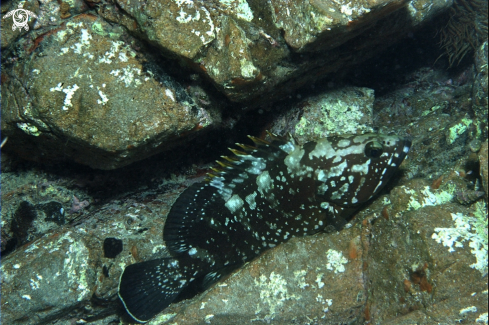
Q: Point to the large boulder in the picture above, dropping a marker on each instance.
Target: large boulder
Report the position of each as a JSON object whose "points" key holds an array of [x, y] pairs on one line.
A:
{"points": [[95, 81]]}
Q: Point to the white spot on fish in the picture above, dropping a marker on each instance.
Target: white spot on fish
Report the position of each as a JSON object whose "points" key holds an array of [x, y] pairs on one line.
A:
{"points": [[234, 203]]}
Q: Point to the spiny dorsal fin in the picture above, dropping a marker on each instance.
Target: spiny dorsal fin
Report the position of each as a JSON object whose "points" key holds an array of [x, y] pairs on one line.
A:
{"points": [[263, 149], [246, 147], [258, 141], [230, 159], [238, 152], [223, 164], [278, 140]]}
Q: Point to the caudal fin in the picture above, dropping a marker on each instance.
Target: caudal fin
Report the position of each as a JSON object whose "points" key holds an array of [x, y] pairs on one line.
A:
{"points": [[149, 287]]}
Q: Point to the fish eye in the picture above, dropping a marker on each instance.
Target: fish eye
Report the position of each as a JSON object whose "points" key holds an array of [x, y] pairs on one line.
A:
{"points": [[373, 149]]}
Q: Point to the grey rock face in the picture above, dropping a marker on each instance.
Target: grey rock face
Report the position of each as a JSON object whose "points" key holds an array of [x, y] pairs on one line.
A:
{"points": [[79, 84], [85, 94]]}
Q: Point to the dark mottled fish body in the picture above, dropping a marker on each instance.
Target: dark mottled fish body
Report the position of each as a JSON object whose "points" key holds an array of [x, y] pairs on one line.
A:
{"points": [[257, 199]]}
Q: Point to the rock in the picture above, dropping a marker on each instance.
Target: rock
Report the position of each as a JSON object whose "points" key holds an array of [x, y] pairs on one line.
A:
{"points": [[183, 28], [480, 86], [309, 279], [52, 276], [416, 255], [58, 275], [106, 108], [412, 255], [319, 31], [347, 110], [423, 111], [426, 258], [483, 162], [253, 53], [232, 67]]}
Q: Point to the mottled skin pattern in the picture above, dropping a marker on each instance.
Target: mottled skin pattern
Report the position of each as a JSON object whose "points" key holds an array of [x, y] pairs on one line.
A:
{"points": [[257, 199]]}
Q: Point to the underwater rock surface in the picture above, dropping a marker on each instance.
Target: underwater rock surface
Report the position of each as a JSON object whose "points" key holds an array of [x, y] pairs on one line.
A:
{"points": [[480, 90], [484, 162], [101, 83], [104, 108], [408, 256], [415, 254], [337, 111]]}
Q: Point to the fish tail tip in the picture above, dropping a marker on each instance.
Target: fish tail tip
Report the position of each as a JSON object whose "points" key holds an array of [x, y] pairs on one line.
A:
{"points": [[142, 290]]}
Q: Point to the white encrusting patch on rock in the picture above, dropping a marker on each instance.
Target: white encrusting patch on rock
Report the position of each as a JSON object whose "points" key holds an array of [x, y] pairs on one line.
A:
{"points": [[69, 91], [169, 93]]}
